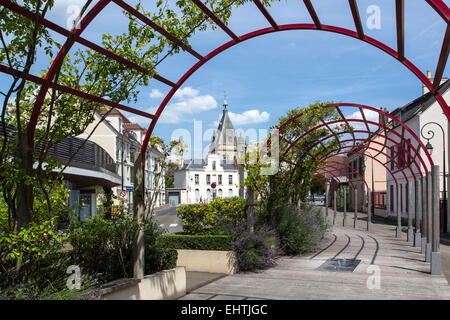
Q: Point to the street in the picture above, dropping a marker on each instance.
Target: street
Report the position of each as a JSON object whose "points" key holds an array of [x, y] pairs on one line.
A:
{"points": [[167, 219]]}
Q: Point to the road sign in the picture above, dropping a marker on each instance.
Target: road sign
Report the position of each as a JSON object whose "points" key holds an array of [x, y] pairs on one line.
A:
{"points": [[213, 185], [123, 194], [129, 188]]}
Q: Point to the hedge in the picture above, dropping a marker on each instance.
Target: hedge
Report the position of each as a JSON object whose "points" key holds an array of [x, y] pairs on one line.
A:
{"points": [[196, 242]]}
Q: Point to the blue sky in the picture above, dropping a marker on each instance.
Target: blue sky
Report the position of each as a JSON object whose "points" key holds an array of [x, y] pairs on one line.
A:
{"points": [[266, 76]]}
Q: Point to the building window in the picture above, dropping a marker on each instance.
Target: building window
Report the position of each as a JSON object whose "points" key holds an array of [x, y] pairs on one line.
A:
{"points": [[219, 193], [230, 179], [208, 179], [208, 194], [409, 152], [219, 178], [197, 179], [197, 194], [230, 192], [214, 165]]}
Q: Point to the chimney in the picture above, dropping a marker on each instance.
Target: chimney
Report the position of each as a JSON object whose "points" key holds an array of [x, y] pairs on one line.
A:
{"points": [[429, 74]]}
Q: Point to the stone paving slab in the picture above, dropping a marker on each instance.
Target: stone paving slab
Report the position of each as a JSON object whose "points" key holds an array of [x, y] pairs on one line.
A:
{"points": [[403, 272]]}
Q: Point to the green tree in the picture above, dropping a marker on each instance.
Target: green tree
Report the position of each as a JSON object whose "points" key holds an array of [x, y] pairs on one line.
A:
{"points": [[26, 174]]}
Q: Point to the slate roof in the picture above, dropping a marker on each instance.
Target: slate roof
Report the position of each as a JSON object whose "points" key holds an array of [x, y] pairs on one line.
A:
{"points": [[422, 103], [200, 164]]}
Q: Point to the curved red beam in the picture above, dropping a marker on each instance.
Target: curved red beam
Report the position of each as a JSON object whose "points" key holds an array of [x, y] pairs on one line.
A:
{"points": [[370, 148], [375, 149], [90, 16], [437, 5], [341, 172], [321, 183], [299, 26], [358, 120], [363, 131], [331, 185], [350, 167], [367, 155], [334, 105], [336, 177]]}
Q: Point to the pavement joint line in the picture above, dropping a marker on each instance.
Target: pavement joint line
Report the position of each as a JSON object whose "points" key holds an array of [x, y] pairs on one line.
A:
{"points": [[323, 250]]}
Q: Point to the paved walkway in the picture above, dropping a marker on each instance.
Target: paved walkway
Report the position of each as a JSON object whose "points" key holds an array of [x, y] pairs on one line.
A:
{"points": [[403, 272]]}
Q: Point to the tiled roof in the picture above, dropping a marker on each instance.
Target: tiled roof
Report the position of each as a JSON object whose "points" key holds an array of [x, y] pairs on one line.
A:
{"points": [[132, 126]]}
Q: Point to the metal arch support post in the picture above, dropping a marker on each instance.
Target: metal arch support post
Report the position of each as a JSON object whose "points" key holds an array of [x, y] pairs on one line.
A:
{"points": [[369, 210], [345, 207], [435, 260], [410, 237], [423, 221], [355, 219], [398, 230], [327, 191], [417, 202], [429, 217], [335, 207]]}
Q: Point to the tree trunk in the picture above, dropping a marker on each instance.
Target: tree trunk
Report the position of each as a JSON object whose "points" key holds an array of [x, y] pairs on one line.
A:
{"points": [[250, 206], [139, 210], [24, 190]]}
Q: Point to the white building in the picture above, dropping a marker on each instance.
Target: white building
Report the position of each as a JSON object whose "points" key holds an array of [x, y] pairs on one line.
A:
{"points": [[202, 180], [415, 115], [122, 139]]}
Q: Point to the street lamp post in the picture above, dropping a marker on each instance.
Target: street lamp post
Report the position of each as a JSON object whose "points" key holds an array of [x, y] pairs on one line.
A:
{"points": [[430, 148]]}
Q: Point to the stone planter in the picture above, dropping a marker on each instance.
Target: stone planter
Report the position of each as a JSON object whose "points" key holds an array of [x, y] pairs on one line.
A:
{"points": [[167, 284], [207, 261]]}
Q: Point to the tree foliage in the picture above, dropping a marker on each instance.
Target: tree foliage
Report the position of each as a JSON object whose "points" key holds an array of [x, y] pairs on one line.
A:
{"points": [[27, 172]]}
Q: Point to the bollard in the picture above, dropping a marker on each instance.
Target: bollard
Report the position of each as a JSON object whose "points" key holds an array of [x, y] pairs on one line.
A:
{"points": [[417, 201], [436, 267]]}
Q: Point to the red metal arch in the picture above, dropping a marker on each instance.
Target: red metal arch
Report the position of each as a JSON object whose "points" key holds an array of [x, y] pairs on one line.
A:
{"points": [[341, 172], [366, 155], [438, 5], [350, 167], [321, 183], [341, 184], [336, 105], [364, 131], [374, 149]]}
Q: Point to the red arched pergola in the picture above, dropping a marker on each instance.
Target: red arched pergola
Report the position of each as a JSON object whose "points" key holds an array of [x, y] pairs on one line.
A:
{"points": [[76, 37]]}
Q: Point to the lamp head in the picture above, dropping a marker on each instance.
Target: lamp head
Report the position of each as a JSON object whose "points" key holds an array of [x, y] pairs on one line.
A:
{"points": [[429, 148]]}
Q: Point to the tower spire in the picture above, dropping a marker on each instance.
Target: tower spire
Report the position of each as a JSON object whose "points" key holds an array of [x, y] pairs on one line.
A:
{"points": [[225, 103]]}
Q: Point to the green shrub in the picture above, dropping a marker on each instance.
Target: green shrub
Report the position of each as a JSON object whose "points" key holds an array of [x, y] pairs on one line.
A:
{"points": [[158, 258], [196, 242], [299, 231], [252, 252], [213, 217], [33, 265], [104, 246]]}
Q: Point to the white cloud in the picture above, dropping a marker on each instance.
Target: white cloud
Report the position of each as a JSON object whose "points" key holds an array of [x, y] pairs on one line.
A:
{"points": [[188, 102], [249, 117], [369, 115], [186, 92], [155, 94]]}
